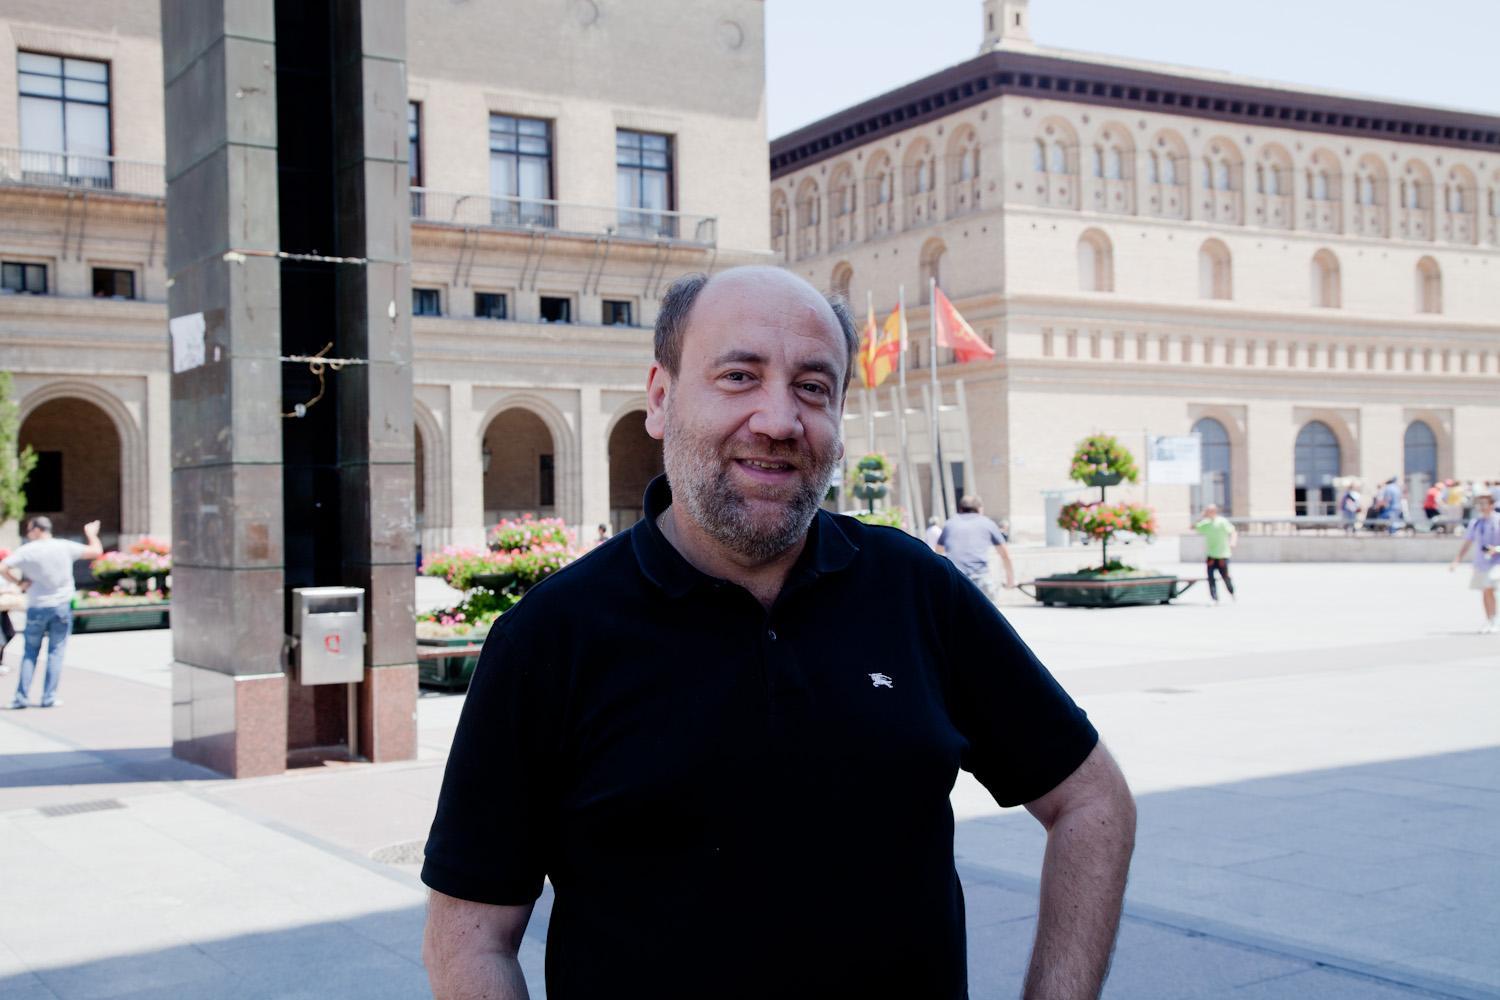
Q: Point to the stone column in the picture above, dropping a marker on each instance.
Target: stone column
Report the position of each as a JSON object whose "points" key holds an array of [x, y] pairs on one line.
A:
{"points": [[159, 454], [467, 521], [593, 460], [228, 686], [376, 430]]}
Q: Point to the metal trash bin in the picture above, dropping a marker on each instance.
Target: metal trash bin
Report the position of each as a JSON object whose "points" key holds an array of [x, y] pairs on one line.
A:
{"points": [[328, 624], [1053, 502]]}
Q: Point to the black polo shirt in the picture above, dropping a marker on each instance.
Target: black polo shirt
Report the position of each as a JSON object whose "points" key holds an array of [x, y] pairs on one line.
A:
{"points": [[733, 802]]}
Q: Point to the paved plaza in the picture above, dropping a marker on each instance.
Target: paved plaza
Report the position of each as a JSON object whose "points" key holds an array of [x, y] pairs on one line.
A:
{"points": [[1317, 768]]}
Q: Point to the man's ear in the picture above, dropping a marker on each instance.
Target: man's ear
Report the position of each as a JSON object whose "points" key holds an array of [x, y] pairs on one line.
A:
{"points": [[658, 382]]}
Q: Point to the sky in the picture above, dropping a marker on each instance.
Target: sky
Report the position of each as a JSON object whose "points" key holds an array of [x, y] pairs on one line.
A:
{"points": [[825, 55]]}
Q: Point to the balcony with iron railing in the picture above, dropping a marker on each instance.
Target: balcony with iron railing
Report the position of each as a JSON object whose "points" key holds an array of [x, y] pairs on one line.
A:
{"points": [[34, 168], [564, 218]]}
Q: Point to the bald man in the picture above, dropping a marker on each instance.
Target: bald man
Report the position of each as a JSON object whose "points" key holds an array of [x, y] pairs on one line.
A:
{"points": [[729, 735]]}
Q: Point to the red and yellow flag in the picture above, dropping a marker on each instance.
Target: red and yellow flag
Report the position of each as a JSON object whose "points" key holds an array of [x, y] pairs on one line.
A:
{"points": [[954, 332], [867, 344], [886, 352]]}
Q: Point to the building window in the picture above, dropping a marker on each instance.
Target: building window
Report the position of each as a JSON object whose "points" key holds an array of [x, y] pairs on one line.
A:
{"points": [[521, 171], [643, 182], [1096, 268], [1326, 292], [546, 482], [619, 312], [556, 309], [1215, 280], [414, 143], [426, 302], [30, 278], [44, 486], [491, 305], [1419, 447], [65, 118], [1429, 286], [113, 283]]}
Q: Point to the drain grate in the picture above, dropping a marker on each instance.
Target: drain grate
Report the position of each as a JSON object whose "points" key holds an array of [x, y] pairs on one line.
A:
{"points": [[406, 853], [74, 808]]}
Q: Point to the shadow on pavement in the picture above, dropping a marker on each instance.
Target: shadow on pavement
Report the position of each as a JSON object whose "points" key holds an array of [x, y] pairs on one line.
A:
{"points": [[98, 767]]}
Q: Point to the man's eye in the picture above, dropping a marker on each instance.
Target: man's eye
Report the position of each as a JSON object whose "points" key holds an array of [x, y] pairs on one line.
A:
{"points": [[737, 376], [814, 387]]}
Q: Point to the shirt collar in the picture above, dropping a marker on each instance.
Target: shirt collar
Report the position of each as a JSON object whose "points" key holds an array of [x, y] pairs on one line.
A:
{"points": [[828, 549]]}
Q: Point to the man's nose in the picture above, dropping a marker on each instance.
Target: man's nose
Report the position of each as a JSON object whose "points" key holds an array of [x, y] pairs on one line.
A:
{"points": [[777, 416]]}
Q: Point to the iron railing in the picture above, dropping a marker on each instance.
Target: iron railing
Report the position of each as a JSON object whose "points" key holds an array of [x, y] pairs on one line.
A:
{"points": [[534, 214], [50, 169]]}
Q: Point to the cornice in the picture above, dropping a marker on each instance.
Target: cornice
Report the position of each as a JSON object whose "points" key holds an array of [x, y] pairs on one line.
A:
{"points": [[1008, 73]]}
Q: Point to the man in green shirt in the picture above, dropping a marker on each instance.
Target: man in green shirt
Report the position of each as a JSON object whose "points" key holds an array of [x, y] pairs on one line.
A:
{"points": [[1219, 537]]}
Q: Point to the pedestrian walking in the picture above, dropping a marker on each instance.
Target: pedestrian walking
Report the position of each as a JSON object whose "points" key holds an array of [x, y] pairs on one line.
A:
{"points": [[933, 533], [1483, 535], [1219, 540], [730, 742], [1432, 501], [44, 567], [1349, 503], [967, 538]]}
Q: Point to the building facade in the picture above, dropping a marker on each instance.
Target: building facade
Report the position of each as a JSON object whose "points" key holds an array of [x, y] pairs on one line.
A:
{"points": [[1309, 281], [558, 185]]}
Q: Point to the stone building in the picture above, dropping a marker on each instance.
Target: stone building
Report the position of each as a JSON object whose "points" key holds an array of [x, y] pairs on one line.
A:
{"points": [[559, 183], [1308, 280]]}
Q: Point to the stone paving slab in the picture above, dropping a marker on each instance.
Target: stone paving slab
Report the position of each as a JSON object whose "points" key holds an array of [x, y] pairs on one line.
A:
{"points": [[1318, 780]]}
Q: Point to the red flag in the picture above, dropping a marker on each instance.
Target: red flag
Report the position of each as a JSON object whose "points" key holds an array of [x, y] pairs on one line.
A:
{"points": [[954, 332]]}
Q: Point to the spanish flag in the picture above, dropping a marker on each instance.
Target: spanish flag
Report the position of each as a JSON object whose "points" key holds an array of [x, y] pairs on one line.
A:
{"points": [[867, 344], [954, 332], [886, 350]]}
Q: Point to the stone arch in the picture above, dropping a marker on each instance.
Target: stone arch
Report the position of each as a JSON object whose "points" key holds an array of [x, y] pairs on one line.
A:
{"points": [[1272, 197], [1419, 451], [1057, 156], [1429, 281], [1167, 175], [1217, 457], [1371, 196], [1440, 423], [808, 209], [1320, 454], [842, 277], [781, 223], [434, 480], [1215, 270], [1096, 262], [1113, 156], [843, 202], [568, 501], [1460, 205], [1223, 181], [962, 157], [134, 511], [880, 194], [635, 458], [919, 182], [1323, 192], [1326, 281], [931, 263], [1414, 201], [1232, 420]]}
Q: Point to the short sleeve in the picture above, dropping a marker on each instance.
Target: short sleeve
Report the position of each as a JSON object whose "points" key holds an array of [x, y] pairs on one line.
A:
{"points": [[11, 559], [997, 537], [1025, 734], [77, 550], [1472, 531], [495, 811], [942, 538]]}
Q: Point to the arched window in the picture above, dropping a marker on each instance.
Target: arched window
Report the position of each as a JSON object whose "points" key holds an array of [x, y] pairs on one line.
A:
{"points": [[1097, 161], [1039, 157], [780, 222], [1060, 159], [1214, 275], [1096, 265], [1215, 487], [843, 276], [1221, 176], [1114, 168], [1326, 291], [1421, 451], [1260, 179], [932, 266], [1153, 168], [808, 215], [1318, 462], [1169, 171], [1429, 286]]}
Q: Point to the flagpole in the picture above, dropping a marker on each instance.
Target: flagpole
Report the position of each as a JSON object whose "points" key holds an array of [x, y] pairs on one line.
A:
{"points": [[870, 392], [942, 487], [909, 497]]}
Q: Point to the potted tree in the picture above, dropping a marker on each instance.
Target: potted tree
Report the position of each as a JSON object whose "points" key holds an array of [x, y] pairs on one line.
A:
{"points": [[1101, 461]]}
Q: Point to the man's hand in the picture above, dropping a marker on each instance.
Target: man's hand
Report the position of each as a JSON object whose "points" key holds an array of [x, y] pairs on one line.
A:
{"points": [[1090, 821], [470, 949], [91, 530]]}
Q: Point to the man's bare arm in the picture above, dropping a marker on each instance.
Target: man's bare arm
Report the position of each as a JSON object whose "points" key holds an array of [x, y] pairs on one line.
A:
{"points": [[1090, 821], [1010, 569], [14, 576], [93, 550], [470, 949]]}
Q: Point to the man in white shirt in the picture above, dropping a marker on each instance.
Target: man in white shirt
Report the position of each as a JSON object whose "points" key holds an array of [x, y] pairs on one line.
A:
{"points": [[44, 566]]}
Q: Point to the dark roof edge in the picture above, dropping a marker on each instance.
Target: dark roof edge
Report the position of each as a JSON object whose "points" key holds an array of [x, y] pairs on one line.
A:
{"points": [[997, 73]]}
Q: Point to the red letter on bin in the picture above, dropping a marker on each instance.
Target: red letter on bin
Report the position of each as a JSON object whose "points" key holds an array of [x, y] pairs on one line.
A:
{"points": [[331, 643]]}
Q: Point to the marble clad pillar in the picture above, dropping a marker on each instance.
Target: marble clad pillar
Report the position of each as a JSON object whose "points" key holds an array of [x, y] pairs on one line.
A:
{"points": [[228, 685]]}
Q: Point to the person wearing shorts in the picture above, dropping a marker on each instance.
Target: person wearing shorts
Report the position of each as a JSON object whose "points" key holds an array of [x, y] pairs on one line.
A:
{"points": [[1484, 535]]}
